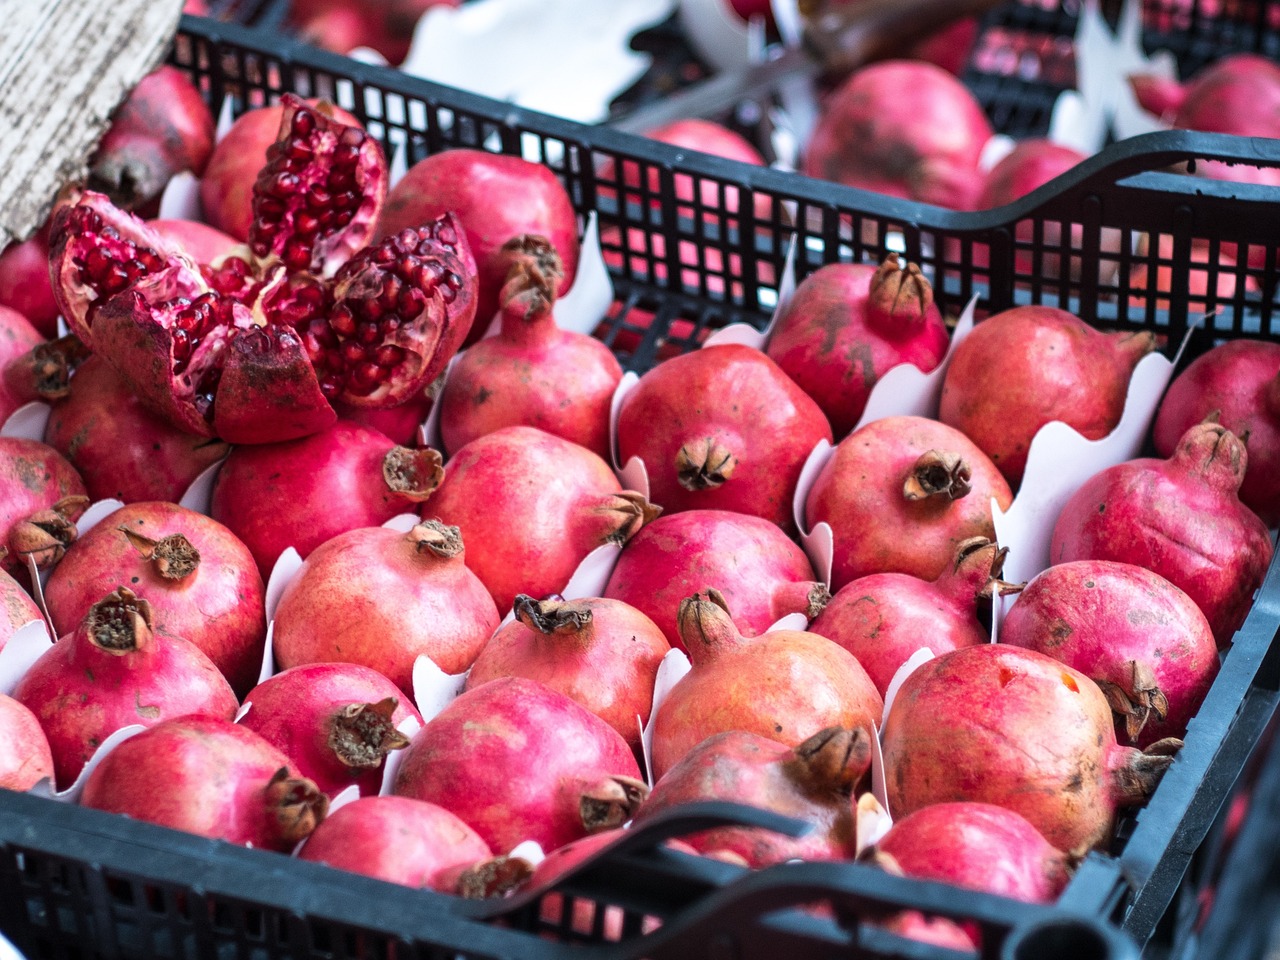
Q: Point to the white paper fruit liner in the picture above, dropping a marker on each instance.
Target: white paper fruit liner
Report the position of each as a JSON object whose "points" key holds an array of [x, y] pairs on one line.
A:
{"points": [[28, 422]]}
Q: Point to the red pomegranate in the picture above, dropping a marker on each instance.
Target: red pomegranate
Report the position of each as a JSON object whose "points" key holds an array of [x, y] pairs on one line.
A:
{"points": [[200, 581], [381, 598], [901, 494], [1180, 518], [203, 243], [400, 423], [41, 497], [25, 758], [17, 339], [386, 26], [704, 136], [17, 609], [24, 282], [1205, 261], [209, 777]]}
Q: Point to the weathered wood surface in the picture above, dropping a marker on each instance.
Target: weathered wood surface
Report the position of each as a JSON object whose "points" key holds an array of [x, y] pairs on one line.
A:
{"points": [[64, 66]]}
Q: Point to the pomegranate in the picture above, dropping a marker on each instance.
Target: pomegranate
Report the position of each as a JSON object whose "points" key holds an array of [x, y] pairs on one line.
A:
{"points": [[813, 781], [938, 931], [199, 579], [904, 128], [734, 685], [533, 373], [883, 618], [531, 506], [304, 492], [497, 198], [399, 840], [121, 449], [41, 497], [163, 128], [25, 758], [1238, 381], [386, 26], [113, 671], [209, 777], [17, 609], [901, 494], [336, 722], [704, 136], [1205, 261], [25, 285], [1143, 641], [203, 243], [380, 598], [400, 423], [848, 324], [1180, 518], [705, 453], [998, 724], [518, 761], [1029, 365], [602, 653], [17, 339]]}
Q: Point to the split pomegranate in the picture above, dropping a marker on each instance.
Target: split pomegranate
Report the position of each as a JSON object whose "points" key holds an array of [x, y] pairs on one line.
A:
{"points": [[381, 598], [209, 777], [41, 497], [17, 609], [784, 685], [17, 339], [1002, 725], [848, 324], [113, 670], [901, 495], [199, 579], [518, 761], [1180, 518], [24, 282], [25, 758], [762, 575]]}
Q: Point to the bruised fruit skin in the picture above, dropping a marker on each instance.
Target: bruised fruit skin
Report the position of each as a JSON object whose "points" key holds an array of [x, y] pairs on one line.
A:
{"points": [[1136, 635], [25, 758], [41, 497], [209, 777], [113, 671], [382, 598], [17, 609], [901, 494], [517, 761], [721, 428], [1180, 518]]}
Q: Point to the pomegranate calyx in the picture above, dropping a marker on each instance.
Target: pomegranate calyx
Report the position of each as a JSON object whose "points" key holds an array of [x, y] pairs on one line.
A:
{"points": [[704, 464], [552, 616], [1134, 346], [1214, 453], [297, 805], [1137, 774], [120, 623], [492, 878], [705, 626], [611, 803], [533, 277], [362, 734], [46, 534], [818, 597], [1137, 700], [436, 539], [899, 298], [633, 511], [413, 474], [975, 573], [937, 473], [831, 761], [44, 372], [174, 556]]}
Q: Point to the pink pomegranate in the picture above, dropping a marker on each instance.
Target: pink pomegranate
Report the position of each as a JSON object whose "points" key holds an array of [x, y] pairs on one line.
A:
{"points": [[762, 575], [938, 931], [304, 492], [707, 454], [532, 373], [25, 758], [1002, 725], [17, 609], [1029, 365], [381, 598], [1180, 518], [17, 339], [904, 128], [24, 282], [121, 449], [978, 846], [813, 781], [163, 128], [602, 653], [883, 618], [209, 777], [41, 497], [336, 722], [1238, 383], [1205, 262], [704, 136], [497, 198], [901, 495], [113, 671], [386, 26], [399, 840], [518, 761], [203, 243], [531, 506], [1143, 641], [200, 581], [735, 684], [848, 324]]}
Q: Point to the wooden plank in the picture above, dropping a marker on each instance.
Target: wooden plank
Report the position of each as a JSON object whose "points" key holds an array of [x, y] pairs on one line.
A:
{"points": [[64, 66]]}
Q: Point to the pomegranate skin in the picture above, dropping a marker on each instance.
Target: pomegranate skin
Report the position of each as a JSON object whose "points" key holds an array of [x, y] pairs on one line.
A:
{"points": [[334, 721], [514, 760], [399, 840], [209, 777], [25, 758], [381, 598], [901, 494], [998, 724], [1180, 518], [203, 243], [704, 453], [215, 600], [37, 485], [762, 574], [1240, 381], [25, 285], [400, 423], [1136, 635], [17, 609], [113, 671], [1029, 365], [17, 338]]}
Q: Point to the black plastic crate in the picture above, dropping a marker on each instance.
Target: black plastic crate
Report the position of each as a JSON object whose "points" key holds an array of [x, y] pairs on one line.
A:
{"points": [[1198, 32]]}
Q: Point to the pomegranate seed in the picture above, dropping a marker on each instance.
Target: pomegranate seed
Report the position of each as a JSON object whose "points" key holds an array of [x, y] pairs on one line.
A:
{"points": [[286, 183], [111, 233], [331, 386], [96, 262], [305, 223], [342, 322], [346, 155], [303, 123], [352, 352], [366, 376], [447, 235], [270, 208], [346, 201], [411, 302], [388, 356], [368, 333], [298, 150], [297, 255], [115, 279]]}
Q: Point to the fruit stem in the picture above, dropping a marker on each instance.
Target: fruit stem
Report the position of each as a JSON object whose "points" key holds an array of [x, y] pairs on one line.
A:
{"points": [[937, 473], [804, 596], [174, 556], [120, 623], [431, 538], [528, 294], [1133, 346], [704, 464], [1136, 774], [1213, 453], [611, 802], [706, 628], [550, 617], [296, 804], [413, 474], [626, 512], [975, 574], [899, 299], [362, 734], [45, 535], [1137, 699], [831, 761], [495, 877]]}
